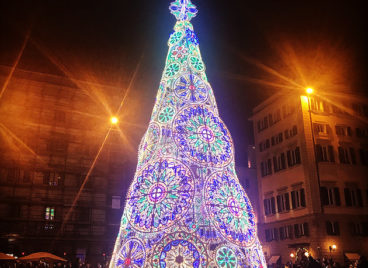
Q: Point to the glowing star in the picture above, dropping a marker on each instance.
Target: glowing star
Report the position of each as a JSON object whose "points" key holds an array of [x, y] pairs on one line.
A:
{"points": [[185, 206]]}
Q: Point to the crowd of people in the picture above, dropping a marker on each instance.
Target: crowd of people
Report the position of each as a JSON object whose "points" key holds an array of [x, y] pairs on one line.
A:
{"points": [[310, 262]]}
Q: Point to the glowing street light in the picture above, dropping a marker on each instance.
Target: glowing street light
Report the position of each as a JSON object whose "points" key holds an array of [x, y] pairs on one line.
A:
{"points": [[306, 254], [309, 90], [114, 120], [292, 255]]}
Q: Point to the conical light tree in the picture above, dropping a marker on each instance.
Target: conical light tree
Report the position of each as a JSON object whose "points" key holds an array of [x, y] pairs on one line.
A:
{"points": [[185, 206]]}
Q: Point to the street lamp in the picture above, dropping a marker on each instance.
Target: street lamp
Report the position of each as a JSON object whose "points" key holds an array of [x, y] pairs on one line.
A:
{"points": [[310, 91], [114, 120], [332, 248]]}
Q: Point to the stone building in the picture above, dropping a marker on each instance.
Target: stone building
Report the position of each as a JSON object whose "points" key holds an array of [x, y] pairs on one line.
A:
{"points": [[312, 166], [51, 129]]}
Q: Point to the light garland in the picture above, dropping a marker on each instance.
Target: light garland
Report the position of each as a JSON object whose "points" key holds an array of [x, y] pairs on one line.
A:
{"points": [[185, 206]]}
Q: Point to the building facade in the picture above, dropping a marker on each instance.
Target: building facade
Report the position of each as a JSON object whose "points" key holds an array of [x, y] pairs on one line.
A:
{"points": [[312, 166], [51, 130]]}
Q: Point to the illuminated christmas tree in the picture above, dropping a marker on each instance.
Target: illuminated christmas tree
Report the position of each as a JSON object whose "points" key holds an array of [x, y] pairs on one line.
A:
{"points": [[185, 206]]}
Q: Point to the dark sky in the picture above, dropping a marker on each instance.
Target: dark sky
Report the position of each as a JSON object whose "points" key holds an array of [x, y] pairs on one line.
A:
{"points": [[107, 39]]}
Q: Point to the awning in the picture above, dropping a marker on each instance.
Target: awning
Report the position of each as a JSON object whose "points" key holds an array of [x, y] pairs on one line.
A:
{"points": [[352, 256], [273, 259]]}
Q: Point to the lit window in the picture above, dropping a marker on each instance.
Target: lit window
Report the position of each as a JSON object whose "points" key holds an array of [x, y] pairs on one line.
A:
{"points": [[320, 128], [50, 213]]}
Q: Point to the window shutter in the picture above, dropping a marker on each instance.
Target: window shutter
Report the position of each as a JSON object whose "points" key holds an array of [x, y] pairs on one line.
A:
{"points": [[283, 161], [269, 164], [350, 133], [262, 169], [306, 228], [359, 196], [319, 153], [276, 233], [266, 209], [331, 153], [352, 155], [337, 196], [273, 205], [267, 234], [362, 158], [287, 201], [288, 156], [275, 167], [328, 227], [293, 203], [297, 155], [290, 231], [336, 228], [341, 154], [282, 235], [347, 197], [302, 197], [296, 231], [324, 196], [278, 199]]}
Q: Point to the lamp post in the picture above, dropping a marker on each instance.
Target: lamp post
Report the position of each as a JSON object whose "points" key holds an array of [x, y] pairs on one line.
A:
{"points": [[114, 120], [310, 91]]}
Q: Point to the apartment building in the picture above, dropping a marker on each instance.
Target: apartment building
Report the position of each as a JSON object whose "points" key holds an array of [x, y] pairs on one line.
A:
{"points": [[312, 169], [51, 129]]}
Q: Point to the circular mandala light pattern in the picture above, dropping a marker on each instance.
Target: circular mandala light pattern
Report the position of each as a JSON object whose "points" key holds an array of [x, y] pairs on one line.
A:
{"points": [[162, 193], [166, 114], [179, 250], [191, 88], [197, 64], [149, 144], [172, 69], [203, 136], [175, 37], [226, 257], [131, 255], [230, 209]]}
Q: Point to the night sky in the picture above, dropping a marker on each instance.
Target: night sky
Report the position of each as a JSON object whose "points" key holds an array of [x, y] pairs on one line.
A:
{"points": [[106, 40]]}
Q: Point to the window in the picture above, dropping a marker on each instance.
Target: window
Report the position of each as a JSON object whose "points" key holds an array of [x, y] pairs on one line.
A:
{"points": [[26, 176], [288, 109], [52, 178], [343, 131], [330, 196], [325, 153], [266, 168], [301, 229], [283, 202], [264, 145], [269, 206], [347, 155], [289, 133], [293, 157], [298, 198], [363, 157], [332, 228], [318, 105], [262, 124], [277, 139], [286, 232], [361, 133], [50, 213], [271, 234], [359, 228], [274, 118], [279, 162], [353, 197], [320, 129]]}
